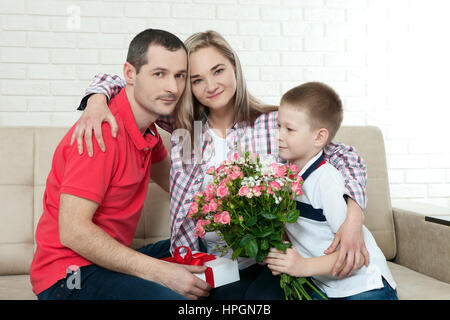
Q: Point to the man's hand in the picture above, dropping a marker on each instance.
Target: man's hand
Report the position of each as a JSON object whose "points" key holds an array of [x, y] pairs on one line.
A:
{"points": [[181, 279], [353, 253], [95, 114]]}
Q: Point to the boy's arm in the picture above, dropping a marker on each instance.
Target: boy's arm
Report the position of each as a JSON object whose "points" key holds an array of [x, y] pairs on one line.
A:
{"points": [[79, 233], [292, 263]]}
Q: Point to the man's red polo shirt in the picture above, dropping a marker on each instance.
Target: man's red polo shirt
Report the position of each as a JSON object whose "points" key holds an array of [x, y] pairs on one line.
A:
{"points": [[116, 179]]}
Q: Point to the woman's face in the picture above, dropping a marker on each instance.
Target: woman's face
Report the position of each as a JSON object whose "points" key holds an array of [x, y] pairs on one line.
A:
{"points": [[213, 78]]}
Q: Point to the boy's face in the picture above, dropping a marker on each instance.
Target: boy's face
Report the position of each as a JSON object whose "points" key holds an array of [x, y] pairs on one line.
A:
{"points": [[296, 139]]}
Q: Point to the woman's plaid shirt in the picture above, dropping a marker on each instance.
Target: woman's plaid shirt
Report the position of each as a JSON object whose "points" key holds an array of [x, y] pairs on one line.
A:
{"points": [[189, 165]]}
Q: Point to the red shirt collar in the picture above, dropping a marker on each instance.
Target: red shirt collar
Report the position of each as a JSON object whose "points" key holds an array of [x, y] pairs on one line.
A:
{"points": [[122, 104]]}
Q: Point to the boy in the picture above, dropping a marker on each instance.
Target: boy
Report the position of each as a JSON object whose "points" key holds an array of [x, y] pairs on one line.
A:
{"points": [[308, 119]]}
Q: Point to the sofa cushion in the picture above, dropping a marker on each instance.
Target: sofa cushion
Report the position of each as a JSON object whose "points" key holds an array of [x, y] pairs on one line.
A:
{"points": [[16, 199], [378, 214], [16, 288], [416, 286], [411, 286]]}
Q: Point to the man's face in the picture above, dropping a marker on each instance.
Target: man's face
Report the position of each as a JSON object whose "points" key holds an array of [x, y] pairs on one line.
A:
{"points": [[160, 83]]}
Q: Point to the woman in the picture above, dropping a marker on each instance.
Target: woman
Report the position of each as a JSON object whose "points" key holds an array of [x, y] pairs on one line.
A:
{"points": [[231, 120]]}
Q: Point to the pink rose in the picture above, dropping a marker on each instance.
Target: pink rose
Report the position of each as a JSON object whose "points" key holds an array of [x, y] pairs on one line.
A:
{"points": [[223, 183], [205, 208], [193, 209], [294, 168], [256, 191], [199, 231], [269, 190], [211, 170], [225, 218], [296, 187], [236, 174], [274, 166], [249, 195], [210, 189], [281, 171], [275, 185], [209, 192], [217, 217], [212, 206], [243, 190], [222, 191]]}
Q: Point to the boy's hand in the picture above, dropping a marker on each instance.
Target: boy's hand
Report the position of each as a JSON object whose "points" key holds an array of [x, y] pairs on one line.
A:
{"points": [[289, 262]]}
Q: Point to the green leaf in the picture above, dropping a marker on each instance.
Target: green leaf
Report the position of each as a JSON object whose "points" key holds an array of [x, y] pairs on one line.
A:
{"points": [[236, 253], [292, 216], [252, 248], [261, 256], [281, 246], [268, 215], [265, 233], [245, 239], [251, 221], [264, 244]]}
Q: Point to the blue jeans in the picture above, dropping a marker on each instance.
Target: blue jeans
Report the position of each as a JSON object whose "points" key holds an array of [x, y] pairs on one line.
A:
{"points": [[385, 293], [97, 283]]}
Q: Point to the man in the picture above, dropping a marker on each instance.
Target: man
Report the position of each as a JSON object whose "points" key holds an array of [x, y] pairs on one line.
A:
{"points": [[92, 204]]}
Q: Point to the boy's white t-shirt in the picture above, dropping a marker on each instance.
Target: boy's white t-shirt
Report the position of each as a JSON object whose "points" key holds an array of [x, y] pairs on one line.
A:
{"points": [[212, 239], [324, 189]]}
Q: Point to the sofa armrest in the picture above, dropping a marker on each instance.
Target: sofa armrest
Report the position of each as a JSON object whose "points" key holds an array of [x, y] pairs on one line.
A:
{"points": [[422, 246]]}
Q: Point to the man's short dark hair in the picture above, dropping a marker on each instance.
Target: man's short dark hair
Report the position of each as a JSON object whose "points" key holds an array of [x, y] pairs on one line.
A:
{"points": [[137, 51]]}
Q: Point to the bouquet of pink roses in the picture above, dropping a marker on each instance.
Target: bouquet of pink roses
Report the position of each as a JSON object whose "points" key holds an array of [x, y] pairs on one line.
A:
{"points": [[248, 201]]}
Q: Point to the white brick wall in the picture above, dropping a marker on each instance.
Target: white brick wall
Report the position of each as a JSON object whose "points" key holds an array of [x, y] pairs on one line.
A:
{"points": [[387, 59]]}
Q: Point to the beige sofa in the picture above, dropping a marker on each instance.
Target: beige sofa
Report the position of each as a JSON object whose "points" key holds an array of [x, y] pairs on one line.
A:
{"points": [[418, 251]]}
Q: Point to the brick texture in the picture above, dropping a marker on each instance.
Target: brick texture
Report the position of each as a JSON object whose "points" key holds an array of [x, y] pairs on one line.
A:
{"points": [[387, 59]]}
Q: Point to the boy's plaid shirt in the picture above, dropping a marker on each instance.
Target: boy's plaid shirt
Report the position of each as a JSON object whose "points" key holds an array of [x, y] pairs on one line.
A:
{"points": [[260, 137]]}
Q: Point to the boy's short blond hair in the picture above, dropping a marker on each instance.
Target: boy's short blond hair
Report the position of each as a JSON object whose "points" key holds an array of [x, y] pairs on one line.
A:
{"points": [[320, 102]]}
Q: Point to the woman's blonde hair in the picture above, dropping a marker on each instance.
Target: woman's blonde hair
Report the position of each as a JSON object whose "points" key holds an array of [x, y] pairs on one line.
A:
{"points": [[246, 107]]}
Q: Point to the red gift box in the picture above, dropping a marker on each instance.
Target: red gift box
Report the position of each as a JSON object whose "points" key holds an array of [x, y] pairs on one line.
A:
{"points": [[220, 271]]}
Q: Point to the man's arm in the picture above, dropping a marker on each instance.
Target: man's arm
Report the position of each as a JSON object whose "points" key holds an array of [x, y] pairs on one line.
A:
{"points": [[160, 172], [79, 233]]}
